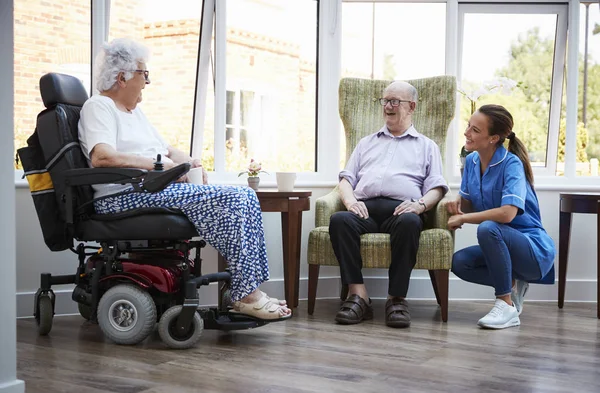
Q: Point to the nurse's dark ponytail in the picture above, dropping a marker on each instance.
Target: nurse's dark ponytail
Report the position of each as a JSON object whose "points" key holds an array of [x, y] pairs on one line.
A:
{"points": [[501, 124]]}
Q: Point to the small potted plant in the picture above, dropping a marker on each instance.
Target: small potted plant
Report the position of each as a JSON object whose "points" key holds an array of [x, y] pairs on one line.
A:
{"points": [[254, 168]]}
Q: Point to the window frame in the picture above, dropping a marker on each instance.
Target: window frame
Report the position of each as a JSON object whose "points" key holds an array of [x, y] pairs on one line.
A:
{"points": [[328, 75], [558, 67], [327, 13]]}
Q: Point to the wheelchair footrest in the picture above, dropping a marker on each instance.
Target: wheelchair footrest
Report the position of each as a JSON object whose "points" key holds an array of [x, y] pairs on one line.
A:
{"points": [[218, 320]]}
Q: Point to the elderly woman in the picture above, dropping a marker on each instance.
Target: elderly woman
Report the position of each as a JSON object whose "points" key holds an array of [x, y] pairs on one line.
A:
{"points": [[114, 132]]}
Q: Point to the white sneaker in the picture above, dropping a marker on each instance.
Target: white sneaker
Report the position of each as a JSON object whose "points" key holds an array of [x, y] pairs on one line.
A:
{"points": [[517, 294], [501, 316]]}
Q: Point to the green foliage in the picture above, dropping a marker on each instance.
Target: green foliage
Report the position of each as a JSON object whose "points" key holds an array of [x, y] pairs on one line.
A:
{"points": [[531, 60], [582, 142]]}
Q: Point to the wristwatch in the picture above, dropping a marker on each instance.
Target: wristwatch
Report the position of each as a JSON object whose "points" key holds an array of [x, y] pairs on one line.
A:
{"points": [[421, 202]]}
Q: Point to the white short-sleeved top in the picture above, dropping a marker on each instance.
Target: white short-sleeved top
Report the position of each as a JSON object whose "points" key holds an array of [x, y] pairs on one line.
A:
{"points": [[102, 122]]}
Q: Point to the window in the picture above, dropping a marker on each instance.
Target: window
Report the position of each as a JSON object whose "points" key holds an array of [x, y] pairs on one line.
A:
{"points": [[243, 129], [268, 108], [171, 30], [588, 128], [526, 44], [64, 26], [377, 43]]}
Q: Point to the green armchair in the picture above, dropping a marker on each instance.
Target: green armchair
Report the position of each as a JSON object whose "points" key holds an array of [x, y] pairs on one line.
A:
{"points": [[361, 116]]}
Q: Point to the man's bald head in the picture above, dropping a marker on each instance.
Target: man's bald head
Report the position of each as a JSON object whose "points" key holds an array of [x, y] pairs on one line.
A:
{"points": [[402, 88]]}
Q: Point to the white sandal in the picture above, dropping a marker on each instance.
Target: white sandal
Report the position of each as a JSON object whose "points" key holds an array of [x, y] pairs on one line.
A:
{"points": [[263, 309], [274, 300]]}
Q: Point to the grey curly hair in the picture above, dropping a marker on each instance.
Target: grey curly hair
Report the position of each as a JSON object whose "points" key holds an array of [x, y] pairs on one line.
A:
{"points": [[120, 55]]}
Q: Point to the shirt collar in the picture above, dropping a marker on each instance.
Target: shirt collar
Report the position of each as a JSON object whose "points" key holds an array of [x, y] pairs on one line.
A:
{"points": [[412, 131], [499, 156]]}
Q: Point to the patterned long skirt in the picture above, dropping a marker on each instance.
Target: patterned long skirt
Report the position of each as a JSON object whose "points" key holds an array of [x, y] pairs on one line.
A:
{"points": [[227, 217]]}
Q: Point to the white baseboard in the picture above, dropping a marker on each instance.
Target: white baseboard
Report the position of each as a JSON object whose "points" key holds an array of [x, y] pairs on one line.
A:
{"points": [[16, 386], [329, 287]]}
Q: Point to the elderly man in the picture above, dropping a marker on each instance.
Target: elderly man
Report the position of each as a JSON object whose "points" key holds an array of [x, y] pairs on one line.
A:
{"points": [[392, 178]]}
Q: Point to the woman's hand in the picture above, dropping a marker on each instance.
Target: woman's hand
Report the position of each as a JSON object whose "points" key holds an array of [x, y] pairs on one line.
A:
{"points": [[196, 163], [456, 221], [454, 206]]}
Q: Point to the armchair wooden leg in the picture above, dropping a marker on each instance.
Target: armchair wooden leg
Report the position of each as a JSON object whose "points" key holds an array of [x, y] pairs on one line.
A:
{"points": [[442, 278], [313, 280], [434, 285], [343, 292]]}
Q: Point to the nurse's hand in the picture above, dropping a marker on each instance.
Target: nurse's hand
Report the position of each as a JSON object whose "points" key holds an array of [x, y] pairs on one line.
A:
{"points": [[455, 222], [454, 207]]}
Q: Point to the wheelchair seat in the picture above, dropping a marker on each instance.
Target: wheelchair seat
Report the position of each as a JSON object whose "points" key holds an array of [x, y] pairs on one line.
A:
{"points": [[57, 130]]}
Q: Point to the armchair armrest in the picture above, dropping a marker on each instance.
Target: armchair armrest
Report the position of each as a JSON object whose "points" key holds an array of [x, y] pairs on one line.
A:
{"points": [[327, 205], [440, 214]]}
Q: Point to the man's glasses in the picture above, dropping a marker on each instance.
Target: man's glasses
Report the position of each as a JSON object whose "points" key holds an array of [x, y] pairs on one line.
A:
{"points": [[146, 74], [394, 102]]}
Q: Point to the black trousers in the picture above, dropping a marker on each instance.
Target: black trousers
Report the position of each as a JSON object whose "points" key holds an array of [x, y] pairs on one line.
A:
{"points": [[405, 229]]}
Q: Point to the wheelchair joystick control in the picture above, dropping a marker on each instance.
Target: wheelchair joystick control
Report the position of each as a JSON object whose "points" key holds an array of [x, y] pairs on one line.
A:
{"points": [[158, 165]]}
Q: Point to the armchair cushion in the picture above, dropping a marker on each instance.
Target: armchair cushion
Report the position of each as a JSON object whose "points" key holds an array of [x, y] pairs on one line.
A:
{"points": [[436, 247]]}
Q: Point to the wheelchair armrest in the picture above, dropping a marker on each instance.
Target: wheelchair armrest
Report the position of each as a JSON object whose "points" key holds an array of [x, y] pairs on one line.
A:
{"points": [[89, 176], [157, 180]]}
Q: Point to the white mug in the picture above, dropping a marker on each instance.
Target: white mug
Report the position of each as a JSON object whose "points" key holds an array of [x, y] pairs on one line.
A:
{"points": [[194, 176], [285, 181]]}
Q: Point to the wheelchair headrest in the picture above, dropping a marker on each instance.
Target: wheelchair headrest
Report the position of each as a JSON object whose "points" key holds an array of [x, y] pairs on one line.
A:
{"points": [[62, 89]]}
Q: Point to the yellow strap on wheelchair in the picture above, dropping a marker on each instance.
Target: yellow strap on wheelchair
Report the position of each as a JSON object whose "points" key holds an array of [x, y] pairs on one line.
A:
{"points": [[39, 182]]}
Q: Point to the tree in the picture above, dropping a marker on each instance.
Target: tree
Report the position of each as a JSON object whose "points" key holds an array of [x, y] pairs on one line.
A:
{"points": [[582, 142], [389, 66], [531, 59]]}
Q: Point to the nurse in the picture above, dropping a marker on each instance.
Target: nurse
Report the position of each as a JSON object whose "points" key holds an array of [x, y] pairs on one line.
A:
{"points": [[497, 193]]}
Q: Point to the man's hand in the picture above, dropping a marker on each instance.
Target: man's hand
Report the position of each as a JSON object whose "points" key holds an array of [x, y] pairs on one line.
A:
{"points": [[196, 163], [454, 206], [455, 221], [360, 209], [409, 207]]}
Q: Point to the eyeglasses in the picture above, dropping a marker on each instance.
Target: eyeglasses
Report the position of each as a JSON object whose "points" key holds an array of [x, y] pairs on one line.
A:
{"points": [[146, 74], [394, 102]]}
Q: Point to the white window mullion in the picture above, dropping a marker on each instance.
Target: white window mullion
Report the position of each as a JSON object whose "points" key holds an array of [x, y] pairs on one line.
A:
{"points": [[208, 12], [556, 97], [329, 71], [100, 25], [572, 82], [220, 84], [452, 60]]}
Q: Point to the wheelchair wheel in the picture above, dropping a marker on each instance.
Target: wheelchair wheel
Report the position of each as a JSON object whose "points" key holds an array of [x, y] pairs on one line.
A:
{"points": [[45, 315], [126, 314], [85, 311], [169, 334]]}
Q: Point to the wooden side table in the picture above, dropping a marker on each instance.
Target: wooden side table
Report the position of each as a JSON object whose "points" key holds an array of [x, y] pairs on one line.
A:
{"points": [[290, 205], [569, 204]]}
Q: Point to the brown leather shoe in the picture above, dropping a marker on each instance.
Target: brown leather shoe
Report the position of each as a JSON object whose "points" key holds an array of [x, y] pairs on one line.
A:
{"points": [[397, 314], [354, 310]]}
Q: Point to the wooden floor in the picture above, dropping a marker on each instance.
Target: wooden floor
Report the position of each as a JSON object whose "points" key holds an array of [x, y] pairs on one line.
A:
{"points": [[552, 351]]}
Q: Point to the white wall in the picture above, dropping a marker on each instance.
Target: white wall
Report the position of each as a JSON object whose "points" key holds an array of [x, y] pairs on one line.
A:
{"points": [[8, 332], [33, 258]]}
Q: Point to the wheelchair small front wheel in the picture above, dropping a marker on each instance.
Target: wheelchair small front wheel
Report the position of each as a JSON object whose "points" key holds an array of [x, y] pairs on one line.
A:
{"points": [[45, 315], [126, 314], [85, 311], [167, 329]]}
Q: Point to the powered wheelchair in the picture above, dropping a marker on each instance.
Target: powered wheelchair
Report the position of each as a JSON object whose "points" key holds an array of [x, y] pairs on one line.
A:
{"points": [[139, 270]]}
